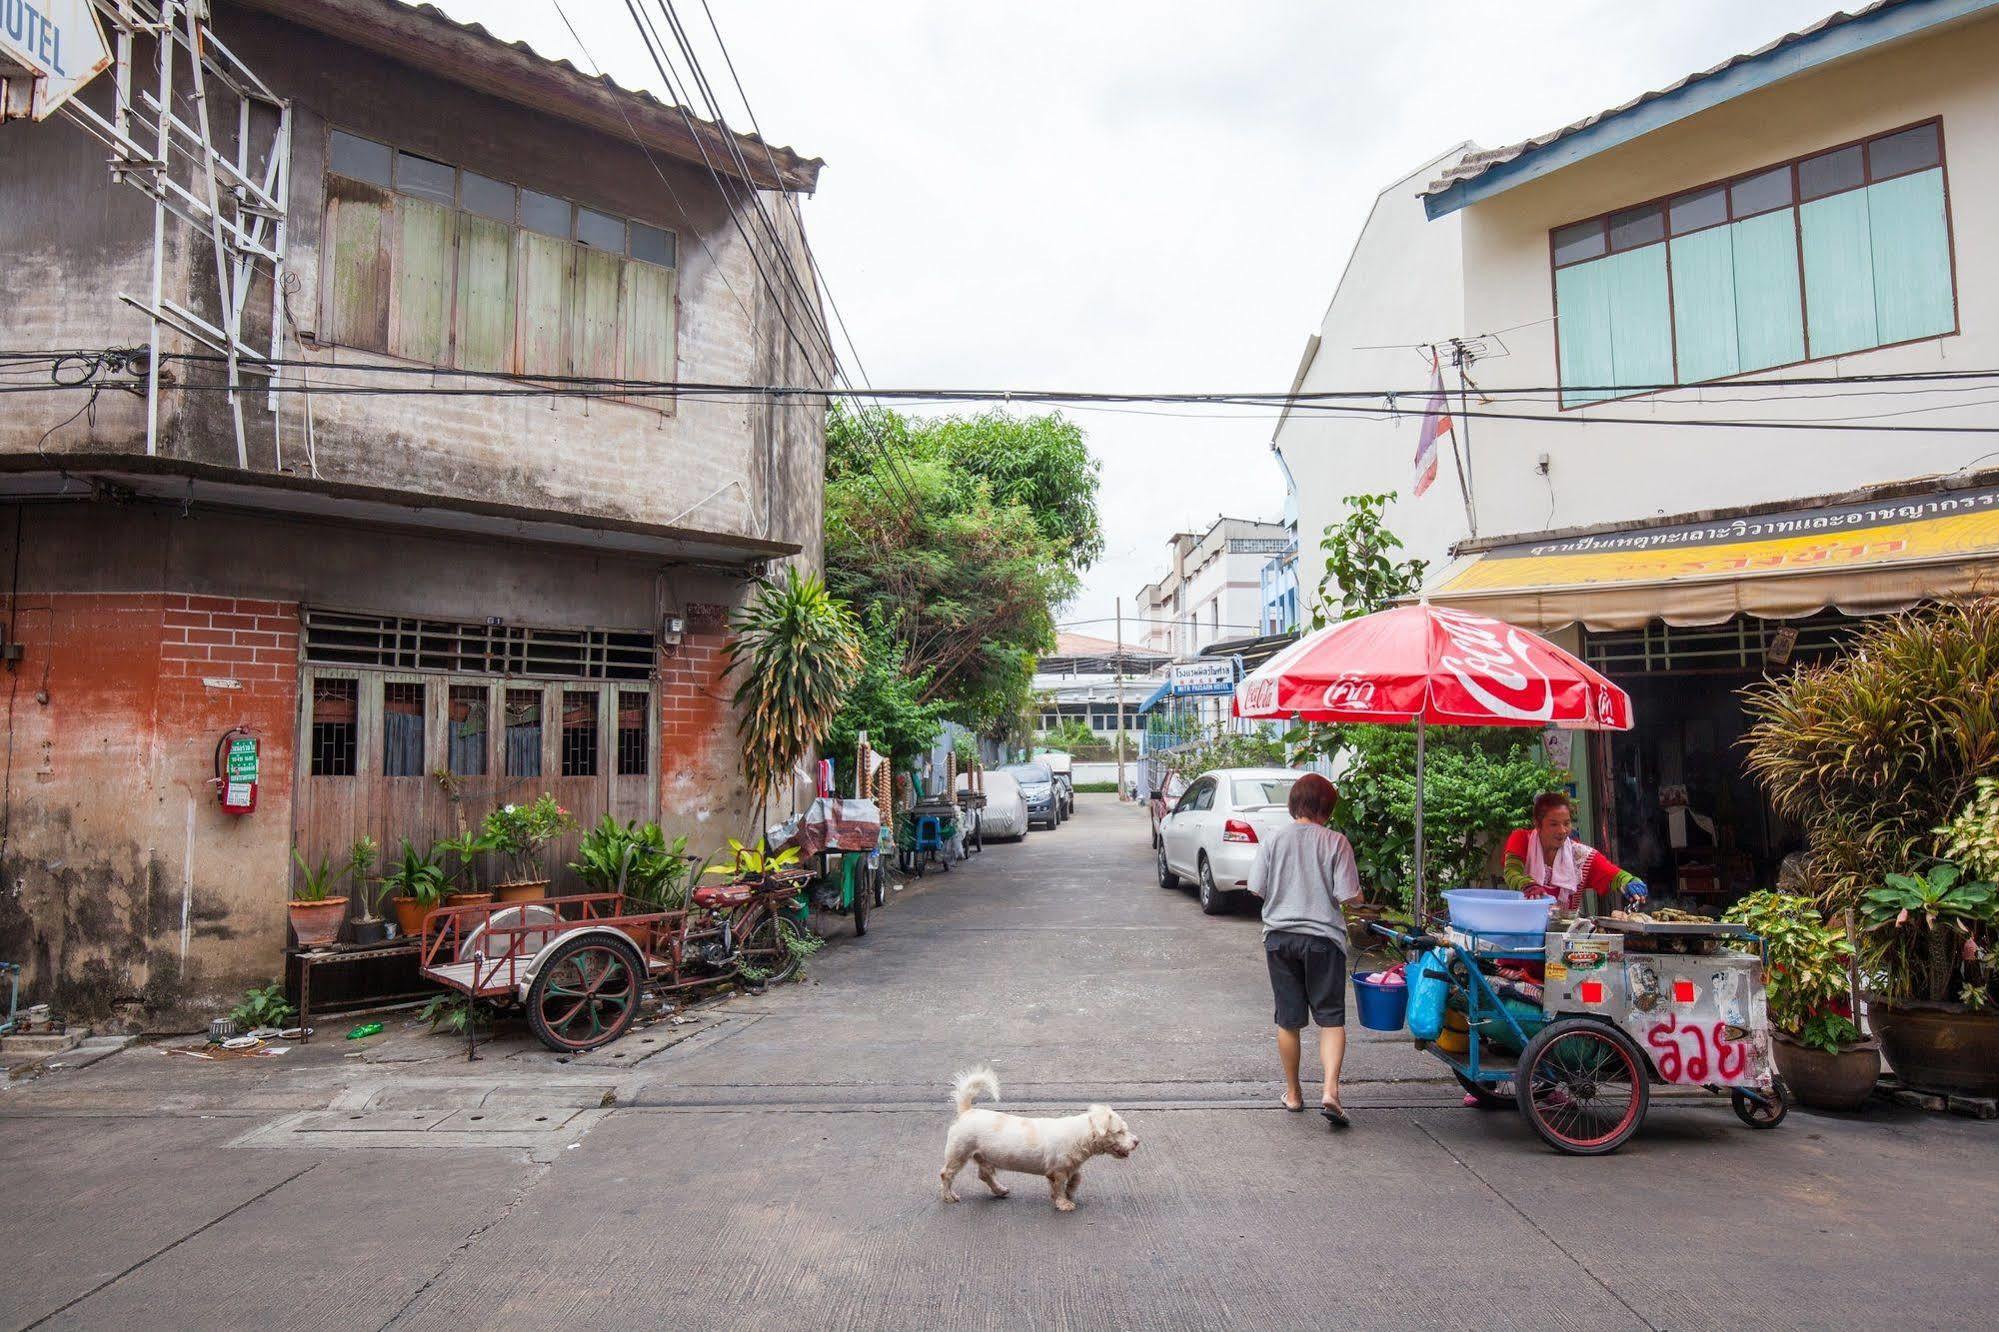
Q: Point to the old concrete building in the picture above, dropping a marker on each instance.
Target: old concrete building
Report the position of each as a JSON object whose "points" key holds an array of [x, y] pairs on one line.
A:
{"points": [[418, 604]]}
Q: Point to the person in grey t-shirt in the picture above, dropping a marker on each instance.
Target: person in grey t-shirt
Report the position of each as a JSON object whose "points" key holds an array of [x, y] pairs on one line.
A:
{"points": [[1303, 872]]}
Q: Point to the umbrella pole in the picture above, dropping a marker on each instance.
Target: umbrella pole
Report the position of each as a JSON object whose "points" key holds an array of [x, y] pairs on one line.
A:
{"points": [[1420, 903]]}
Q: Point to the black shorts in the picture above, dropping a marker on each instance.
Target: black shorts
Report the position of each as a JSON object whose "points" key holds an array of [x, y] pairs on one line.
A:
{"points": [[1308, 974]]}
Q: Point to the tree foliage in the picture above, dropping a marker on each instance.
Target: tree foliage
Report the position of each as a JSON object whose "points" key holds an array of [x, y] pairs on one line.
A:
{"points": [[1361, 570], [885, 701], [799, 652], [965, 546]]}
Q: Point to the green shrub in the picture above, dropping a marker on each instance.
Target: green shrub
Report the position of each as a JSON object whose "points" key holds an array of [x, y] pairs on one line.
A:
{"points": [[1807, 956]]}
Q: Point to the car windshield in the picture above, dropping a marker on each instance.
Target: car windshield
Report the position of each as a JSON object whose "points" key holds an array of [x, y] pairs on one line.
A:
{"points": [[1027, 774], [1252, 792]]}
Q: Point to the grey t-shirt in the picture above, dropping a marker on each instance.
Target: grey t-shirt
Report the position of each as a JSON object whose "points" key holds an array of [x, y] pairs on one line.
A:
{"points": [[1302, 873]]}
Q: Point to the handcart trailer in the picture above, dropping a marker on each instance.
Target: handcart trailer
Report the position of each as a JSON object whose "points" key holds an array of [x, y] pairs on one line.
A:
{"points": [[1619, 1006], [840, 841], [578, 966]]}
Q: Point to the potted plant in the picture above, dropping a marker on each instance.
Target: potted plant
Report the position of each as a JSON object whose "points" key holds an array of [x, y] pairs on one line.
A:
{"points": [[1932, 937], [755, 865], [634, 859], [521, 833], [316, 914], [462, 879], [368, 927], [1823, 1057], [417, 883]]}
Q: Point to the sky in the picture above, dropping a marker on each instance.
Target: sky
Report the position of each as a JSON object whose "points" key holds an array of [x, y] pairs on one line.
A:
{"points": [[1100, 195]]}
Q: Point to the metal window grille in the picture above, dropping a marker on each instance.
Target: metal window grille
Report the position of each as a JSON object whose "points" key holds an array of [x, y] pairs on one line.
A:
{"points": [[1742, 644], [523, 733], [465, 730], [336, 707], [579, 734], [633, 732], [402, 729], [402, 643]]}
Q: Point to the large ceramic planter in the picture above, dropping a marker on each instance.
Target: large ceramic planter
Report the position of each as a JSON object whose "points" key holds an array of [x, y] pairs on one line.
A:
{"points": [[1938, 1047], [410, 916], [317, 924], [1824, 1081], [527, 890]]}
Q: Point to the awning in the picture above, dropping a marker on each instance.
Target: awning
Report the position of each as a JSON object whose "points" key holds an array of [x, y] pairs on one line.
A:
{"points": [[1153, 698], [1858, 558]]}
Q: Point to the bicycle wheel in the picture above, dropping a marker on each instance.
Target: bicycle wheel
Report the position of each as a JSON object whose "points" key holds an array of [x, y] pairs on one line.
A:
{"points": [[1583, 1086], [762, 946]]}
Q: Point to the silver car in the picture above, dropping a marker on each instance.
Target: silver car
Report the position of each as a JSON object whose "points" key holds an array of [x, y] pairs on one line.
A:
{"points": [[1210, 836]]}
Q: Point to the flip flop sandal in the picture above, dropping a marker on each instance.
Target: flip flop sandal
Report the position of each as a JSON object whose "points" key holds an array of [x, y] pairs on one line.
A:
{"points": [[1297, 1109], [1335, 1116]]}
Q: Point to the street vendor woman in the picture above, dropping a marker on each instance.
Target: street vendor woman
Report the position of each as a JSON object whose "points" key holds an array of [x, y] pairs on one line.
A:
{"points": [[1547, 860]]}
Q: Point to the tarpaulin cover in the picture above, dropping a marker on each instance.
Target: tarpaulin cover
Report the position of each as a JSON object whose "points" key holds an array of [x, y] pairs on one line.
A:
{"points": [[1859, 558], [1431, 663], [830, 824]]}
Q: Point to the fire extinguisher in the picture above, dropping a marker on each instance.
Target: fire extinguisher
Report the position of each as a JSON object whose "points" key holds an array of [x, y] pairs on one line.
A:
{"points": [[236, 770]]}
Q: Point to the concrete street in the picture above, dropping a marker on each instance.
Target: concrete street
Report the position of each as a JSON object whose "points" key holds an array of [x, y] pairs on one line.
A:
{"points": [[773, 1163]]}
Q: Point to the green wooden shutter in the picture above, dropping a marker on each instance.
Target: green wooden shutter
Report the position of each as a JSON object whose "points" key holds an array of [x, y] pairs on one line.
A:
{"points": [[1704, 305], [1769, 318], [1839, 274], [485, 318], [1582, 308], [648, 319], [425, 260], [593, 329], [544, 304], [1911, 257], [357, 276], [1641, 329]]}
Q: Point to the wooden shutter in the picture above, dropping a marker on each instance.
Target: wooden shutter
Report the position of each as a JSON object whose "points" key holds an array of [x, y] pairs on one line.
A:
{"points": [[1641, 329], [1582, 304], [1704, 305], [356, 282], [485, 315], [1769, 315], [1839, 274], [544, 304], [593, 328], [1911, 255], [425, 262], [649, 326]]}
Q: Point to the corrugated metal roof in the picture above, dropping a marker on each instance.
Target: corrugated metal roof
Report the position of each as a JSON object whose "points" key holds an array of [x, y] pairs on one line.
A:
{"points": [[1477, 162], [660, 122]]}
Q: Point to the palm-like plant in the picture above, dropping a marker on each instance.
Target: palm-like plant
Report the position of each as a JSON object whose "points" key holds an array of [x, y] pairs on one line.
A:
{"points": [[417, 874], [799, 650]]}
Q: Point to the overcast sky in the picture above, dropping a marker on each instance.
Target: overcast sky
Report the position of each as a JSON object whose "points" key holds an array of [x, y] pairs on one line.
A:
{"points": [[1115, 196]]}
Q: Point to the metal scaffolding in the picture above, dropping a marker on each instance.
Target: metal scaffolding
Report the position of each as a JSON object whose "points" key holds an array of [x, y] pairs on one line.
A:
{"points": [[230, 190]]}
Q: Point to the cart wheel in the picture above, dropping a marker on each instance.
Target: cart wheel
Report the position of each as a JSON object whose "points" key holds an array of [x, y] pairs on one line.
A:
{"points": [[863, 891], [763, 948], [1583, 1086], [1488, 1098], [586, 994], [1758, 1112]]}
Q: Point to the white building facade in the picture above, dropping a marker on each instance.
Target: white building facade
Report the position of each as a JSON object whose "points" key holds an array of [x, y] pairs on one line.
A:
{"points": [[1212, 590]]}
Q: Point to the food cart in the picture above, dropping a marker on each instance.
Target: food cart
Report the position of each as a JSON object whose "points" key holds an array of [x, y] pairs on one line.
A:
{"points": [[1584, 1019]]}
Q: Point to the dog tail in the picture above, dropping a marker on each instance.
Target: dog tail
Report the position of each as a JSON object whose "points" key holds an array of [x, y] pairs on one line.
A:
{"points": [[965, 1088]]}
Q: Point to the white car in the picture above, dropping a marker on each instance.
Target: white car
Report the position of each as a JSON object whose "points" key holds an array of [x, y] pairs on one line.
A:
{"points": [[1211, 835], [1005, 814]]}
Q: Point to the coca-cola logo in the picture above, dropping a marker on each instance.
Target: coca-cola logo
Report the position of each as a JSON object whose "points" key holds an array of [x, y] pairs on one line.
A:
{"points": [[1606, 706], [1257, 695], [1350, 694], [1495, 665]]}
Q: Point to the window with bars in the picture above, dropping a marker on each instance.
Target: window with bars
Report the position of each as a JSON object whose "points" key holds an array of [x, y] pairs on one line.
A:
{"points": [[402, 643], [1838, 252], [523, 733], [336, 727], [634, 733], [402, 729], [1745, 643], [467, 730], [579, 734]]}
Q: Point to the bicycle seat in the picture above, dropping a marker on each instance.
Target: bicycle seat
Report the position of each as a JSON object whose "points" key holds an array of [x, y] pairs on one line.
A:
{"points": [[725, 894]]}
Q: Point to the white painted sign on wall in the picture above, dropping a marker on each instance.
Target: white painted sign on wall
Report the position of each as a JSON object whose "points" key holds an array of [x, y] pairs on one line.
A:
{"points": [[58, 44]]}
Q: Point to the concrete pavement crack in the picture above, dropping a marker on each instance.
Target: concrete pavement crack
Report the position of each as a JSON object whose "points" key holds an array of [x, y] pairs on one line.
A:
{"points": [[108, 1282], [465, 1245], [1472, 1170]]}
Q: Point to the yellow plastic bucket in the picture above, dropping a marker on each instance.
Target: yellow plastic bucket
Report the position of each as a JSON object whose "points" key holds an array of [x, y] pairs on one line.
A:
{"points": [[1455, 1038]]}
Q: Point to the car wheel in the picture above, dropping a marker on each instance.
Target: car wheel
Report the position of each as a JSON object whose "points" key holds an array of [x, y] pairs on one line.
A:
{"points": [[1167, 878], [1214, 901]]}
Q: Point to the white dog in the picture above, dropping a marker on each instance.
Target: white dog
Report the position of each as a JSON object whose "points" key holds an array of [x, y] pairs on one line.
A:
{"points": [[1053, 1148]]}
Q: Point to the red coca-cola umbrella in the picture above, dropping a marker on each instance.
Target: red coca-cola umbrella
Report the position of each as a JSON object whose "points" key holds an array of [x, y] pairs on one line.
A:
{"points": [[1425, 666]]}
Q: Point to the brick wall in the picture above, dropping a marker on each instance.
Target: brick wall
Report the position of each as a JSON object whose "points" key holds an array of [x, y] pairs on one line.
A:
{"points": [[700, 762]]}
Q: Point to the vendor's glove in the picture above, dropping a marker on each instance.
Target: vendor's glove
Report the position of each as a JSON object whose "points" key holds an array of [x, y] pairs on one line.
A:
{"points": [[1636, 890]]}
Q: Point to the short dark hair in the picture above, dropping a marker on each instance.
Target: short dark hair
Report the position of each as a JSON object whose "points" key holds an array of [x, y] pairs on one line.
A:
{"points": [[1313, 797], [1548, 802]]}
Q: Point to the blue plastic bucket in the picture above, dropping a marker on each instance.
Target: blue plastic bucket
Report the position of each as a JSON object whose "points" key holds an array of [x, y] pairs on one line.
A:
{"points": [[1382, 1007]]}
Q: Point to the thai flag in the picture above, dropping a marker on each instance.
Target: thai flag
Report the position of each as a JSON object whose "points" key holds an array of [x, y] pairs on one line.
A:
{"points": [[1436, 423]]}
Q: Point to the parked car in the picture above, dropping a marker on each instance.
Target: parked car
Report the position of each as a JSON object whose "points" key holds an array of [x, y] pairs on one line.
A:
{"points": [[1064, 768], [1159, 802], [1211, 835], [1037, 784], [1005, 816]]}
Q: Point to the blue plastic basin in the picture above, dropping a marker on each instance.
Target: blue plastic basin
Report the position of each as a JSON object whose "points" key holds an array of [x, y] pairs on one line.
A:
{"points": [[1500, 916]]}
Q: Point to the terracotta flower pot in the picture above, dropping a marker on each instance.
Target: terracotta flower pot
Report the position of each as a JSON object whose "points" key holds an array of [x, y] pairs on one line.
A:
{"points": [[467, 899], [527, 890], [1824, 1081], [1938, 1047], [410, 916], [318, 923]]}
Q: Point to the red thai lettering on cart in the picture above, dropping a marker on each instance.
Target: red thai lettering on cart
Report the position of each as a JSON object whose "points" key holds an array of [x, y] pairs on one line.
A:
{"points": [[1495, 665], [1696, 1054]]}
